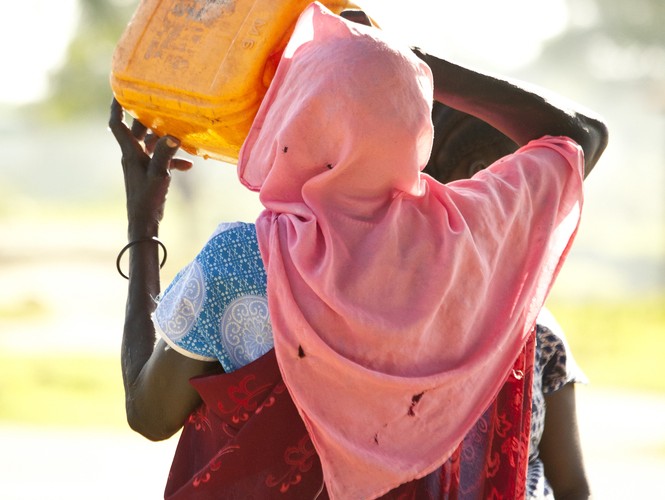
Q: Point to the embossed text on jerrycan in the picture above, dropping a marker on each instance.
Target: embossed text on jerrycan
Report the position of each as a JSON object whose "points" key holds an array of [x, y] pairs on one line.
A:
{"points": [[198, 69]]}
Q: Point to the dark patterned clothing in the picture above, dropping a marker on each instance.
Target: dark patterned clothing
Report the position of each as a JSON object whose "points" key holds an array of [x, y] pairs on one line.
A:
{"points": [[247, 441], [554, 367]]}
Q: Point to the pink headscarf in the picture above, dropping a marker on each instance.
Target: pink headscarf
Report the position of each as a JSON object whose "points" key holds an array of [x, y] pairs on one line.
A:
{"points": [[398, 304]]}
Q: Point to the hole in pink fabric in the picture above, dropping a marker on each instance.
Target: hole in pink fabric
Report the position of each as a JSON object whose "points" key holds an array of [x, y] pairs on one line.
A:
{"points": [[414, 401]]}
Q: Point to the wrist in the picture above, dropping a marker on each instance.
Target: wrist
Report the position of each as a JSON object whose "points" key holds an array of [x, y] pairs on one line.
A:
{"points": [[138, 229], [135, 243]]}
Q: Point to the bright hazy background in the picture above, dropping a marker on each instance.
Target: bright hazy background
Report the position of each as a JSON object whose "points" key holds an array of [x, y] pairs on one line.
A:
{"points": [[62, 221]]}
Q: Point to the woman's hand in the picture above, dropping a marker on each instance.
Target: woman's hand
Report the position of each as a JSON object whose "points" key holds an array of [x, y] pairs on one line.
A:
{"points": [[146, 171]]}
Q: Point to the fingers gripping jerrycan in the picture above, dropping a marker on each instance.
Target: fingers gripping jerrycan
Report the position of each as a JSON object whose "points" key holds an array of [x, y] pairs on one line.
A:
{"points": [[198, 69]]}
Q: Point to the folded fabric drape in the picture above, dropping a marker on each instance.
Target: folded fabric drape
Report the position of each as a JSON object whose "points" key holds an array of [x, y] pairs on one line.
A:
{"points": [[398, 304]]}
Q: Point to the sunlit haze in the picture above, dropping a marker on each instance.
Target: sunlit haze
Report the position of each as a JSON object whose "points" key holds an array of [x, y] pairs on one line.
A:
{"points": [[34, 35], [505, 35]]}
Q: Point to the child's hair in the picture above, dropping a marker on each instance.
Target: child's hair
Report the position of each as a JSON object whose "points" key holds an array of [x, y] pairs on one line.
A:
{"points": [[460, 138]]}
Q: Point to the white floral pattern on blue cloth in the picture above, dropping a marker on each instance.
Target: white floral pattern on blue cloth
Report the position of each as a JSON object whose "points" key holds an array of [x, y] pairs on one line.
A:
{"points": [[216, 308], [243, 329]]}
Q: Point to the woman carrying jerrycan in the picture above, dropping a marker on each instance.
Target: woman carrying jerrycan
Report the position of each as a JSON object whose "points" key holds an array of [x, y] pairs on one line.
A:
{"points": [[345, 343]]}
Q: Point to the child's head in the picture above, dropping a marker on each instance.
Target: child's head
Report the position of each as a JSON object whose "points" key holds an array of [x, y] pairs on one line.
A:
{"points": [[463, 145]]}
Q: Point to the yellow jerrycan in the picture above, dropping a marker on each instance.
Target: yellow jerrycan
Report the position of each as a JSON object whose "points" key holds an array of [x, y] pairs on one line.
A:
{"points": [[198, 69]]}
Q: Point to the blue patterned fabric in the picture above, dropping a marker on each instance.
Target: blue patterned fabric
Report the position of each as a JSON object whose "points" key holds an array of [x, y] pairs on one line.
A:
{"points": [[216, 307]]}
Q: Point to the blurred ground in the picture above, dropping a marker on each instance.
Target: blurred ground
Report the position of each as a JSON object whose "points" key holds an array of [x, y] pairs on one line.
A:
{"points": [[623, 440], [79, 301]]}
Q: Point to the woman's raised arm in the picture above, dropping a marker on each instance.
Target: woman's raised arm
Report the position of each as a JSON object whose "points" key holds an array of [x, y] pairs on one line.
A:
{"points": [[158, 396], [521, 112]]}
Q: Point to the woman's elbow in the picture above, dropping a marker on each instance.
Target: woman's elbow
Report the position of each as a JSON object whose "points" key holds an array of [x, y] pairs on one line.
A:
{"points": [[593, 141], [150, 424]]}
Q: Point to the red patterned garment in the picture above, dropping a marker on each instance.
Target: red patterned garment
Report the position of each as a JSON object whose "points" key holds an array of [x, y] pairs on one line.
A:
{"points": [[247, 441], [491, 462]]}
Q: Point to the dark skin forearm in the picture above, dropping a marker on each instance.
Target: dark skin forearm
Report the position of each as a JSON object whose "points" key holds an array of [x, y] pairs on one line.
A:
{"points": [[158, 396], [521, 113], [560, 448], [144, 285]]}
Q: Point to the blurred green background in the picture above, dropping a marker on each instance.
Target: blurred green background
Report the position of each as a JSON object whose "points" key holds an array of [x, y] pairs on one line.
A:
{"points": [[62, 222]]}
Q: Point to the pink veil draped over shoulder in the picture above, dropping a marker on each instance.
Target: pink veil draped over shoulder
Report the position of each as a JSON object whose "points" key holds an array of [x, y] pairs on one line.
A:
{"points": [[398, 304]]}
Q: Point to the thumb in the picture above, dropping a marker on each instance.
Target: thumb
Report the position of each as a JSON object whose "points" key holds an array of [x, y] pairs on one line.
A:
{"points": [[165, 149]]}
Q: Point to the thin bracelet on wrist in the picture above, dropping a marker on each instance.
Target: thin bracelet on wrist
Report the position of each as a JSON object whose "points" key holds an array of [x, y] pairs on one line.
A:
{"points": [[134, 242]]}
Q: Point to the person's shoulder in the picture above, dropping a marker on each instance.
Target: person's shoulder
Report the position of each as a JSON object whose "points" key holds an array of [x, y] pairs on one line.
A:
{"points": [[550, 335], [544, 163], [556, 357], [230, 243], [238, 228], [563, 146], [232, 232], [547, 321], [553, 141]]}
